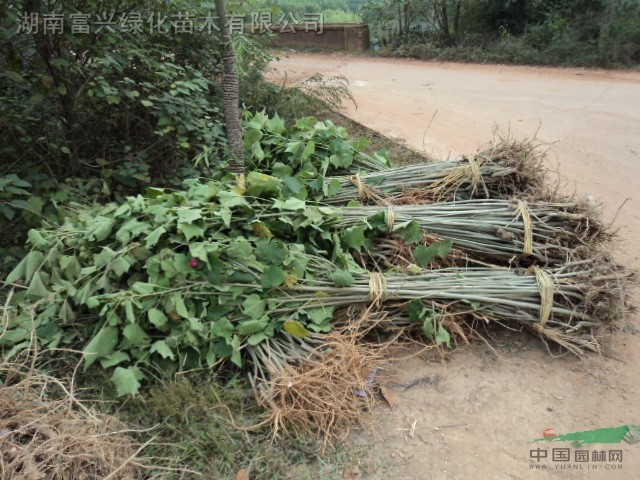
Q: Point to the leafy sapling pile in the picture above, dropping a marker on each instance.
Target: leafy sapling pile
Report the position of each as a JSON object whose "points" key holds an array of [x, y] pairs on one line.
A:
{"points": [[255, 272]]}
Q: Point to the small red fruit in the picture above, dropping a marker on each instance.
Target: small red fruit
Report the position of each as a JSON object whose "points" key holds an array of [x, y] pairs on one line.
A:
{"points": [[549, 432], [194, 262]]}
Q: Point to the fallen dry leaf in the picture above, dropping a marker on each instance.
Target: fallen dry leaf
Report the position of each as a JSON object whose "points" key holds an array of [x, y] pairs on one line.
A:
{"points": [[388, 397], [243, 474]]}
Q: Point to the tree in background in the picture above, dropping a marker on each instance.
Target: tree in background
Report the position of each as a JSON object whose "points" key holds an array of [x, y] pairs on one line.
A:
{"points": [[230, 92]]}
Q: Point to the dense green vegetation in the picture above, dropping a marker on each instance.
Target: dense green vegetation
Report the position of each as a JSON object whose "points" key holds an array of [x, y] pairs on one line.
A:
{"points": [[89, 119], [334, 11], [558, 32]]}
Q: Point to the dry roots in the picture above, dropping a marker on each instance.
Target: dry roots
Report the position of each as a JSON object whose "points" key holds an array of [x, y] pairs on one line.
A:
{"points": [[329, 392], [48, 436]]}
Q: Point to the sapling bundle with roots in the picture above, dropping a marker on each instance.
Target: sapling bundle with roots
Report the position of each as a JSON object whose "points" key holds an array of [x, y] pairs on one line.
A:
{"points": [[496, 230], [504, 171], [257, 272], [322, 383]]}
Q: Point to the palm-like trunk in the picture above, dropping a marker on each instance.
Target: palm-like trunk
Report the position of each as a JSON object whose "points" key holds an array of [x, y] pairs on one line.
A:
{"points": [[230, 92]]}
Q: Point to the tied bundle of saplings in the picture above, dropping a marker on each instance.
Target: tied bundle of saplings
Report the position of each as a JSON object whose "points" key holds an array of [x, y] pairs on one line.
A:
{"points": [[186, 279], [495, 173], [499, 231], [309, 152], [231, 271]]}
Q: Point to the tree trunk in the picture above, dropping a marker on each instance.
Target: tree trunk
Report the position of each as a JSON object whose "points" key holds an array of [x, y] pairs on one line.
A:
{"points": [[230, 92], [456, 20]]}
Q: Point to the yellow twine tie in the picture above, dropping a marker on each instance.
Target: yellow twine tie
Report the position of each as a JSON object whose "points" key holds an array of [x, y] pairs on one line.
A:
{"points": [[523, 211], [377, 287], [391, 218], [476, 174], [547, 289], [357, 181]]}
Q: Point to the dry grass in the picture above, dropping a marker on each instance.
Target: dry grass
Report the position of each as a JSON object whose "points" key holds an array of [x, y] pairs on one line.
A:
{"points": [[47, 434]]}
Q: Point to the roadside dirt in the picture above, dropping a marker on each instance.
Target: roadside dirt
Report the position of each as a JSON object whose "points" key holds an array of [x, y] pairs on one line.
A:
{"points": [[475, 412]]}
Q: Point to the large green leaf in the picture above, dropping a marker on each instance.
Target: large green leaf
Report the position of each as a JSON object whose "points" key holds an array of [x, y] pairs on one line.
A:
{"points": [[342, 278], [425, 255], [162, 349], [272, 277], [127, 380], [101, 345], [250, 327], [410, 232], [157, 317], [270, 251], [153, 238], [253, 306], [354, 238], [36, 287]]}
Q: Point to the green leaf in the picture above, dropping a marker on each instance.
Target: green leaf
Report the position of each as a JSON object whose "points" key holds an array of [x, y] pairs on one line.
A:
{"points": [[272, 277], [232, 199], [309, 150], [34, 261], [254, 307], [250, 327], [319, 315], [201, 250], [120, 266], [411, 232], [18, 272], [114, 359], [162, 349], [342, 278], [256, 151], [443, 336], [143, 288], [188, 215], [146, 103], [100, 229], [427, 327], [15, 76], [101, 345], [36, 287], [135, 335], [293, 185], [240, 249], [36, 99], [126, 380], [354, 238], [181, 308], [270, 251], [153, 238], [36, 204], [257, 338], [236, 357], [291, 204], [8, 212], [425, 255], [379, 222], [191, 231], [70, 265], [35, 238], [296, 329], [157, 317]]}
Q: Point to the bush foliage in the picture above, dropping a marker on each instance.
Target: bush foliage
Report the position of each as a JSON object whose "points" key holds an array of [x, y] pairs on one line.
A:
{"points": [[603, 33]]}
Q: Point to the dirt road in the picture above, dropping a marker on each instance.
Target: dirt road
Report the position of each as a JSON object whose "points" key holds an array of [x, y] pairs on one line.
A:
{"points": [[474, 415]]}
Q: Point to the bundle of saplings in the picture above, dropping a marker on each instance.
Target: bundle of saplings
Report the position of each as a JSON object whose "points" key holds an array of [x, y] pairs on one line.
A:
{"points": [[258, 271]]}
